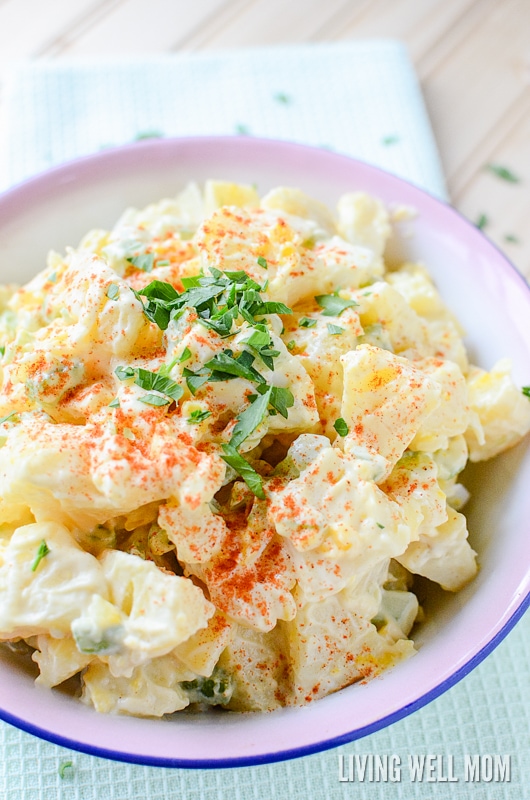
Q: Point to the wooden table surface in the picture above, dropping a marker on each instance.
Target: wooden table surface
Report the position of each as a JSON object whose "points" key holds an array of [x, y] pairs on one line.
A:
{"points": [[472, 58]]}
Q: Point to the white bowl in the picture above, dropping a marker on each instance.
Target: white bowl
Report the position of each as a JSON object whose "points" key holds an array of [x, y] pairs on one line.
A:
{"points": [[493, 302]]}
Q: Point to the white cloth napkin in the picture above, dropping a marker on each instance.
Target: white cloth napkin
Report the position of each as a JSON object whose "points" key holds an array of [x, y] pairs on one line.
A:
{"points": [[362, 99]]}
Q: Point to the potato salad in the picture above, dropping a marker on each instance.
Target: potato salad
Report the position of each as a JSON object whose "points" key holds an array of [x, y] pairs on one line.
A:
{"points": [[231, 436]]}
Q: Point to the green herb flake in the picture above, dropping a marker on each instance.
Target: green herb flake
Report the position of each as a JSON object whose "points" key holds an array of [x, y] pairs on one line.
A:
{"points": [[482, 222], [333, 305], [65, 768], [152, 399], [115, 403], [185, 355], [244, 469], [151, 134], [198, 416], [262, 262], [306, 322], [283, 98], [379, 525], [42, 552], [144, 262], [8, 416], [164, 262], [389, 140], [250, 418], [113, 291], [281, 399], [152, 381], [124, 373], [335, 330], [511, 238], [341, 426], [526, 391], [503, 173], [291, 345], [242, 130]]}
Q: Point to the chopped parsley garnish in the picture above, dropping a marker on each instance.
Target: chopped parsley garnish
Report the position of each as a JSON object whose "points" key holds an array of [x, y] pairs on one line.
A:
{"points": [[262, 262], [64, 768], [283, 98], [291, 345], [306, 322], [242, 130], [250, 418], [526, 391], [8, 416], [482, 222], [341, 426], [503, 173], [113, 292], [145, 262], [42, 552], [152, 381], [148, 135], [244, 469], [222, 302], [2, 349], [333, 305], [198, 416], [115, 403], [335, 330], [218, 299], [509, 237], [154, 399], [388, 140]]}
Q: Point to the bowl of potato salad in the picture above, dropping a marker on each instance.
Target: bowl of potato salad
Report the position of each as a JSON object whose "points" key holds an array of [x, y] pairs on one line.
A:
{"points": [[263, 418]]}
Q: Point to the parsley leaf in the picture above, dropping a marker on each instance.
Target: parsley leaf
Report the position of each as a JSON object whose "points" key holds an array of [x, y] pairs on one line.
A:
{"points": [[250, 418], [224, 364], [281, 399], [64, 768], [341, 426], [335, 330], [113, 291], [195, 380], [526, 391], [154, 399], [198, 416], [333, 305], [263, 262], [243, 468], [482, 222], [502, 172], [145, 262], [306, 322], [152, 381], [42, 552]]}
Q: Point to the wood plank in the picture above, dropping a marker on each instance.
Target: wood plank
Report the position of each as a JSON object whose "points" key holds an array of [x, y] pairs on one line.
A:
{"points": [[506, 205], [27, 27], [474, 87], [265, 22], [418, 25], [139, 27]]}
